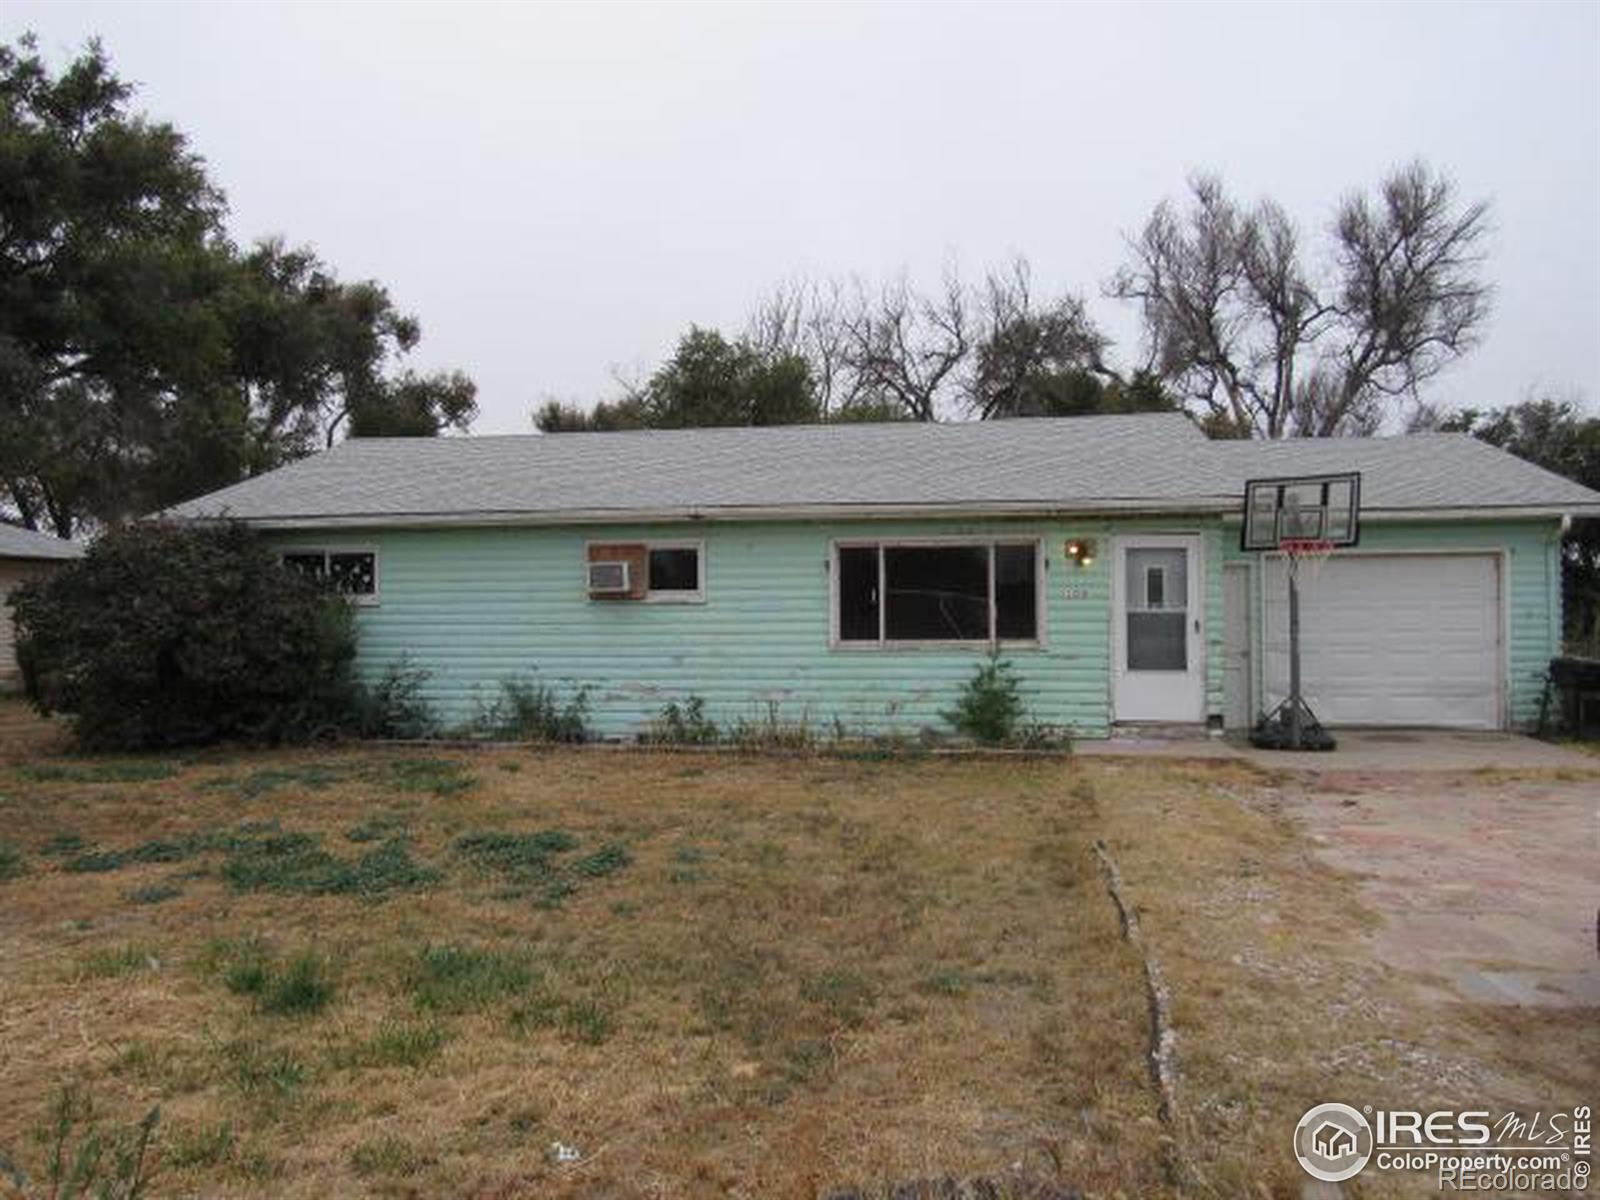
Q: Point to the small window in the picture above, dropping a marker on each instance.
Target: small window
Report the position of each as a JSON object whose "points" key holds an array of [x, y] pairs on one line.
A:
{"points": [[675, 569], [978, 592], [352, 573]]}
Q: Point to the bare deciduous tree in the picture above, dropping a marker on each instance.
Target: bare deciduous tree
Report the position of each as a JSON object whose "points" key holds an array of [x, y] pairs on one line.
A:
{"points": [[905, 348], [805, 318], [1237, 323]]}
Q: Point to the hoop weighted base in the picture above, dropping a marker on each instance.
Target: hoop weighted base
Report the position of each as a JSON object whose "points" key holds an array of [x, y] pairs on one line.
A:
{"points": [[1277, 731]]}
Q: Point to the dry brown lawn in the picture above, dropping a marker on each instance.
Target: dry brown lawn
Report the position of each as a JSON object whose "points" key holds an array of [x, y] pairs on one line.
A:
{"points": [[362, 971], [711, 977]]}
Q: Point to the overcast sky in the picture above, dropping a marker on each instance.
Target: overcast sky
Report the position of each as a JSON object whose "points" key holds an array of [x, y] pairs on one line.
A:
{"points": [[559, 191]]}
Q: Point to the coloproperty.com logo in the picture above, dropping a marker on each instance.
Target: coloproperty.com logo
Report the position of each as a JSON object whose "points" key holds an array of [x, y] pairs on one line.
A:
{"points": [[1465, 1150]]}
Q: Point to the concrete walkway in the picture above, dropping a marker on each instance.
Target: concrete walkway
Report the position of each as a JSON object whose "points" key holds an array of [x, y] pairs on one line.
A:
{"points": [[1368, 750]]}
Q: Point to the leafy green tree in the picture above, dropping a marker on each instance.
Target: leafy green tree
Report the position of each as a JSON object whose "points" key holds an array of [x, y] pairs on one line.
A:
{"points": [[709, 380], [608, 416], [1558, 436], [143, 357]]}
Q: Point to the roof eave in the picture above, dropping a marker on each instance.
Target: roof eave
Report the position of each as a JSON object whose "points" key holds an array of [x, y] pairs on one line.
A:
{"points": [[1225, 506], [696, 513]]}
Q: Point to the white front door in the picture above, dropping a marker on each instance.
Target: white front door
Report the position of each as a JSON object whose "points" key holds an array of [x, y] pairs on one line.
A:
{"points": [[1157, 645]]}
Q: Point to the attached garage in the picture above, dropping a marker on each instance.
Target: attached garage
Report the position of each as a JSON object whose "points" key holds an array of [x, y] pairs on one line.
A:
{"points": [[1393, 639]]}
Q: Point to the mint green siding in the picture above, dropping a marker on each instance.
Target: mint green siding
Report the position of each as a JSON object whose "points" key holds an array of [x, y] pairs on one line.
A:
{"points": [[1530, 556], [473, 607]]}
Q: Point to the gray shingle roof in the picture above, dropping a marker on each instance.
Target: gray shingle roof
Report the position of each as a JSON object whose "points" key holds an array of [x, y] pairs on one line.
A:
{"points": [[25, 543], [1143, 462]]}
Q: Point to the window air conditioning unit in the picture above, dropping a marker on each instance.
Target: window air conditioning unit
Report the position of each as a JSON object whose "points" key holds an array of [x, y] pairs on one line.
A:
{"points": [[609, 579]]}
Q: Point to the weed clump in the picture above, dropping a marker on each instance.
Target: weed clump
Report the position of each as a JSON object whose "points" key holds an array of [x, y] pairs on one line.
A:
{"points": [[683, 725], [395, 1044], [450, 978], [533, 712]]}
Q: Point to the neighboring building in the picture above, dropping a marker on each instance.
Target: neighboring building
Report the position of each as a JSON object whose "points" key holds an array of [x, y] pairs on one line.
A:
{"points": [[24, 555], [856, 573]]}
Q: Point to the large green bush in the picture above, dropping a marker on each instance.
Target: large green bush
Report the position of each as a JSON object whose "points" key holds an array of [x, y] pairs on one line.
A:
{"points": [[165, 635]]}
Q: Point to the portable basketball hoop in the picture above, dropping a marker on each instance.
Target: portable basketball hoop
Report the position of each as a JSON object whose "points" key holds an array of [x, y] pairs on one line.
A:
{"points": [[1305, 519]]}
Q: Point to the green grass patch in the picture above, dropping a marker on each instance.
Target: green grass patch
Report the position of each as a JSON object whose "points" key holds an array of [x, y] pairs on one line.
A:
{"points": [[311, 777], [582, 1020], [199, 1146], [105, 772], [450, 978], [262, 857], [531, 862], [120, 960], [296, 863], [62, 844], [302, 985], [261, 1071], [12, 863], [395, 1044], [440, 776], [381, 828], [605, 861]]}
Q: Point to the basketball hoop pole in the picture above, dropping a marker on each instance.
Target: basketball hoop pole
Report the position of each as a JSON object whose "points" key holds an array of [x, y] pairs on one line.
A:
{"points": [[1296, 704], [1304, 518]]}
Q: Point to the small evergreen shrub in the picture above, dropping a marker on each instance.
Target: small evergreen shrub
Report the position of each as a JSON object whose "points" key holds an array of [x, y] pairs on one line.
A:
{"points": [[989, 709], [166, 635]]}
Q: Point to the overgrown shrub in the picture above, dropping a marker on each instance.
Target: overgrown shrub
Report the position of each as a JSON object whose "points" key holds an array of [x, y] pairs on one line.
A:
{"points": [[533, 712], [393, 707], [683, 724], [166, 635], [989, 708]]}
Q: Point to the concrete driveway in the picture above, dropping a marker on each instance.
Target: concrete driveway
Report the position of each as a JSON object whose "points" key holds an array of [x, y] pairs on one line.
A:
{"points": [[1488, 882], [1480, 850]]}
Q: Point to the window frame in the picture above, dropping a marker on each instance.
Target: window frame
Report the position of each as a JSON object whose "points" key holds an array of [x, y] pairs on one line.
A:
{"points": [[698, 545], [363, 599], [989, 542]]}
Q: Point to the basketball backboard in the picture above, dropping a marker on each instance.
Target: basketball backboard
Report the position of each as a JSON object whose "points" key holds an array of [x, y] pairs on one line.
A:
{"points": [[1302, 507]]}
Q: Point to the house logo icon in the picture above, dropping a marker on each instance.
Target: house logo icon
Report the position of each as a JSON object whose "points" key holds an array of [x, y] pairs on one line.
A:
{"points": [[1333, 1142]]}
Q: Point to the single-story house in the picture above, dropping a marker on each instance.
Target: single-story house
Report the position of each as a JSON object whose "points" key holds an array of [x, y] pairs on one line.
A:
{"points": [[853, 575], [24, 555]]}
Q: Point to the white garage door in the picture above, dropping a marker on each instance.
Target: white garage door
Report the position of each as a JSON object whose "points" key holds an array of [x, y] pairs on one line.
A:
{"points": [[1392, 639]]}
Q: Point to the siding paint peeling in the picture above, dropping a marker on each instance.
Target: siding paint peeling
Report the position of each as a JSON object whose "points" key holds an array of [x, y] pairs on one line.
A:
{"points": [[476, 606]]}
